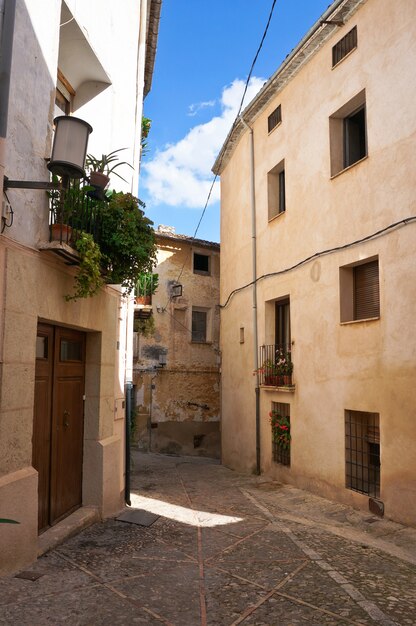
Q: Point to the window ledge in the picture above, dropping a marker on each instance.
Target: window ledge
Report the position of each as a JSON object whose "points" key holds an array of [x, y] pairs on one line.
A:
{"points": [[285, 388], [366, 319], [346, 169], [201, 343], [271, 219]]}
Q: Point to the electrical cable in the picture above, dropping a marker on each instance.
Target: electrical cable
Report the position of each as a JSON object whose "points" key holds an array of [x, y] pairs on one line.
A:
{"points": [[233, 124], [378, 233], [4, 222]]}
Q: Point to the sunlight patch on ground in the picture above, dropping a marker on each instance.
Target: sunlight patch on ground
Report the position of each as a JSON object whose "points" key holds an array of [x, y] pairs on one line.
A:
{"points": [[182, 514]]}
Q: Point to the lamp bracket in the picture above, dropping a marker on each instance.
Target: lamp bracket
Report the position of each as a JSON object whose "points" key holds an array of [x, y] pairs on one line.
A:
{"points": [[29, 184]]}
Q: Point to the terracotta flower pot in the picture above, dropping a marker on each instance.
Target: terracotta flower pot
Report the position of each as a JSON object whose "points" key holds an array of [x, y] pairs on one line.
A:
{"points": [[98, 179], [143, 300], [61, 232]]}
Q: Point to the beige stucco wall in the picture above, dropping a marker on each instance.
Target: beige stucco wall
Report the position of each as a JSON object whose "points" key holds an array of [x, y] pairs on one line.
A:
{"points": [[184, 401], [364, 366], [34, 286]]}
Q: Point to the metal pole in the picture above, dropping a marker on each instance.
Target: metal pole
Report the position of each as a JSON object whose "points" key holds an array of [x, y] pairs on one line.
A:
{"points": [[129, 404], [254, 291]]}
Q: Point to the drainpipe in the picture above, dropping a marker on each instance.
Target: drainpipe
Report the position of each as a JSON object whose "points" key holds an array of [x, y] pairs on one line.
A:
{"points": [[7, 14], [254, 290]]}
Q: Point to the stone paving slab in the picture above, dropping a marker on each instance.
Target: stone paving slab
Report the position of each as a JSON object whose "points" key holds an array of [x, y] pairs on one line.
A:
{"points": [[228, 549]]}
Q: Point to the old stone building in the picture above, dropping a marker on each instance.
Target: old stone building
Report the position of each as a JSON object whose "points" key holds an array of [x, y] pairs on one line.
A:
{"points": [[319, 170], [176, 359]]}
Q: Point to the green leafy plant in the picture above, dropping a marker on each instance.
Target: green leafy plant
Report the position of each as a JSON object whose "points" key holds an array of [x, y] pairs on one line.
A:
{"points": [[145, 327], [88, 280], [146, 124], [8, 521], [146, 284], [106, 164], [280, 430], [127, 240]]}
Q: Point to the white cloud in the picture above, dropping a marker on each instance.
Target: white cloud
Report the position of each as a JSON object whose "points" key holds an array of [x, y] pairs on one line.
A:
{"points": [[193, 109], [180, 174]]}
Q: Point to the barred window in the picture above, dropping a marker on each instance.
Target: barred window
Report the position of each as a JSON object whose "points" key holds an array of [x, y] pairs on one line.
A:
{"points": [[362, 452], [281, 437], [274, 118], [344, 46]]}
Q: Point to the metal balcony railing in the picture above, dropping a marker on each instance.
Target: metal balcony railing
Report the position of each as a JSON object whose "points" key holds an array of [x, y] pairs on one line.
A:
{"points": [[275, 365], [74, 210]]}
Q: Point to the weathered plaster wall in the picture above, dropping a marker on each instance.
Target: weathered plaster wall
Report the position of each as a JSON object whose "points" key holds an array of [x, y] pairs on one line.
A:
{"points": [[178, 406], [364, 366], [32, 284], [42, 285]]}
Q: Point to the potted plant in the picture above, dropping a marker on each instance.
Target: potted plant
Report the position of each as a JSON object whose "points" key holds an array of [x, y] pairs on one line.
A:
{"points": [[280, 430], [99, 169], [271, 373], [286, 366], [146, 286]]}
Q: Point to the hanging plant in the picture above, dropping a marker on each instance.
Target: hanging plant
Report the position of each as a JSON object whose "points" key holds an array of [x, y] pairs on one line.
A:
{"points": [[280, 430], [88, 280]]}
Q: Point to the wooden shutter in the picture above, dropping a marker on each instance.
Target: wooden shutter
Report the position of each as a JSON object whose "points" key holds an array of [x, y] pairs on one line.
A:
{"points": [[199, 326], [366, 291]]}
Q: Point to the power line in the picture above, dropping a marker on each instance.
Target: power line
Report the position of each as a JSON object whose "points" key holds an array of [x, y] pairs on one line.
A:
{"points": [[233, 124], [378, 233]]}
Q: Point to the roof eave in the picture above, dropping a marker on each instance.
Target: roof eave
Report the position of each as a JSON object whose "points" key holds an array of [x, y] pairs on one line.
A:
{"points": [[306, 48], [151, 43]]}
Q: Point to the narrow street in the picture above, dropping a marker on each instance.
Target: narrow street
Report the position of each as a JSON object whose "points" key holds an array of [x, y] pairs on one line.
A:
{"points": [[224, 549]]}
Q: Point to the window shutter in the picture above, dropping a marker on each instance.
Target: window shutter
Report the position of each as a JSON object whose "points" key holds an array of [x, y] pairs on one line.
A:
{"points": [[199, 326], [366, 291]]}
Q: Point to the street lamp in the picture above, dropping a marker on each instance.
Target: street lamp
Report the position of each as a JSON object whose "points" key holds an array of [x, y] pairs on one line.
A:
{"points": [[68, 153]]}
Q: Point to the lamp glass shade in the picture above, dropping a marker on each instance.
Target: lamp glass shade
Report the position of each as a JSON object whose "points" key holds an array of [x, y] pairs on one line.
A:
{"points": [[69, 146]]}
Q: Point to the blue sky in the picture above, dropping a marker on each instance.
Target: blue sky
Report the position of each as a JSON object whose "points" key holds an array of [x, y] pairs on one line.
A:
{"points": [[205, 51]]}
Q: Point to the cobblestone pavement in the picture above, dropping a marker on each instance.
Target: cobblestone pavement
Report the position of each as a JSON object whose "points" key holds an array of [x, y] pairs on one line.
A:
{"points": [[227, 549]]}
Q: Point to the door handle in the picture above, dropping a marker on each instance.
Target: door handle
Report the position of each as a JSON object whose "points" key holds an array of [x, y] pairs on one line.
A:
{"points": [[66, 416]]}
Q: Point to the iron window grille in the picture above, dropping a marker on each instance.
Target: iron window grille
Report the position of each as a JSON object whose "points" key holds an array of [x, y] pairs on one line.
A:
{"points": [[274, 118], [362, 452], [344, 46], [281, 455]]}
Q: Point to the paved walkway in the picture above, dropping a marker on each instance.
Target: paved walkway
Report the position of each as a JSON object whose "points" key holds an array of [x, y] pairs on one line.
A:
{"points": [[226, 550]]}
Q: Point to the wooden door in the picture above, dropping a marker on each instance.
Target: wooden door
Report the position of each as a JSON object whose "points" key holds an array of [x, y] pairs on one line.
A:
{"points": [[41, 441], [59, 423]]}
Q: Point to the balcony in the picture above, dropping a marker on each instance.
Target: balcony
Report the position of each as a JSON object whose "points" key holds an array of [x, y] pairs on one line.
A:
{"points": [[276, 367], [72, 211]]}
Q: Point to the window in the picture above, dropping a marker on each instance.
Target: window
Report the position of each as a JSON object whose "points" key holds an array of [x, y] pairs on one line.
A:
{"points": [[360, 291], [201, 263], [276, 190], [274, 118], [362, 452], [355, 147], [64, 95], [281, 438], [344, 46], [282, 319], [348, 134], [199, 325]]}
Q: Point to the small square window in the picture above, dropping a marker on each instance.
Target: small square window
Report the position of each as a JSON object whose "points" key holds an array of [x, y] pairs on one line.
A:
{"points": [[276, 188], [202, 263], [360, 291]]}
